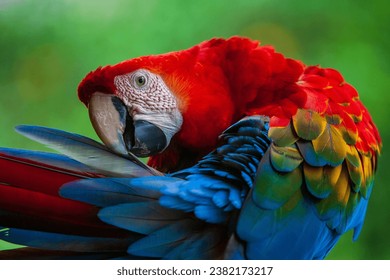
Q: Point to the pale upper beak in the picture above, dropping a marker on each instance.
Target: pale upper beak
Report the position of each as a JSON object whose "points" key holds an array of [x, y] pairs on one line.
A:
{"points": [[119, 132]]}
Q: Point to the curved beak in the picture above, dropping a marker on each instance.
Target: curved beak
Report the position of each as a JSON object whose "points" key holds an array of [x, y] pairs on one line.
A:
{"points": [[119, 132]]}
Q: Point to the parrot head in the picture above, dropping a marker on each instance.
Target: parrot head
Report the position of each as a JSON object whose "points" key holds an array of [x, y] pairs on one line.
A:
{"points": [[159, 106], [135, 112], [131, 108]]}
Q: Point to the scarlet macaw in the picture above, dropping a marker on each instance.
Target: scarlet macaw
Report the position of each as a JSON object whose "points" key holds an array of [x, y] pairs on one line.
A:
{"points": [[251, 156]]}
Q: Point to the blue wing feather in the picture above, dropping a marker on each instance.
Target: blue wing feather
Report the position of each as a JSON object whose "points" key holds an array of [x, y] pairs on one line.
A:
{"points": [[161, 241], [112, 191], [50, 159], [88, 151], [66, 242], [140, 217]]}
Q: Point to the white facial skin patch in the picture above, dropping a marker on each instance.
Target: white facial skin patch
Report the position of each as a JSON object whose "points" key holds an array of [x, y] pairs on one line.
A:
{"points": [[145, 91], [148, 98]]}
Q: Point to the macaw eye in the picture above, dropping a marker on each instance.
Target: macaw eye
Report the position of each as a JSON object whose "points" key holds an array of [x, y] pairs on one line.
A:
{"points": [[140, 80]]}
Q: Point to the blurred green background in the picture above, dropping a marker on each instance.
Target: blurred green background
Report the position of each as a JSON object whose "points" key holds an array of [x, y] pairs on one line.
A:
{"points": [[47, 47]]}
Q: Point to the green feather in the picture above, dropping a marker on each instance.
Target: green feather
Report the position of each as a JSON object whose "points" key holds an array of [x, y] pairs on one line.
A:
{"points": [[308, 124], [285, 159], [283, 136], [320, 180], [330, 207], [272, 188], [331, 146]]}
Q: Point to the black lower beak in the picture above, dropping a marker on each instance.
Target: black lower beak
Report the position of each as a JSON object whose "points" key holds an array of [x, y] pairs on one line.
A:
{"points": [[147, 140]]}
